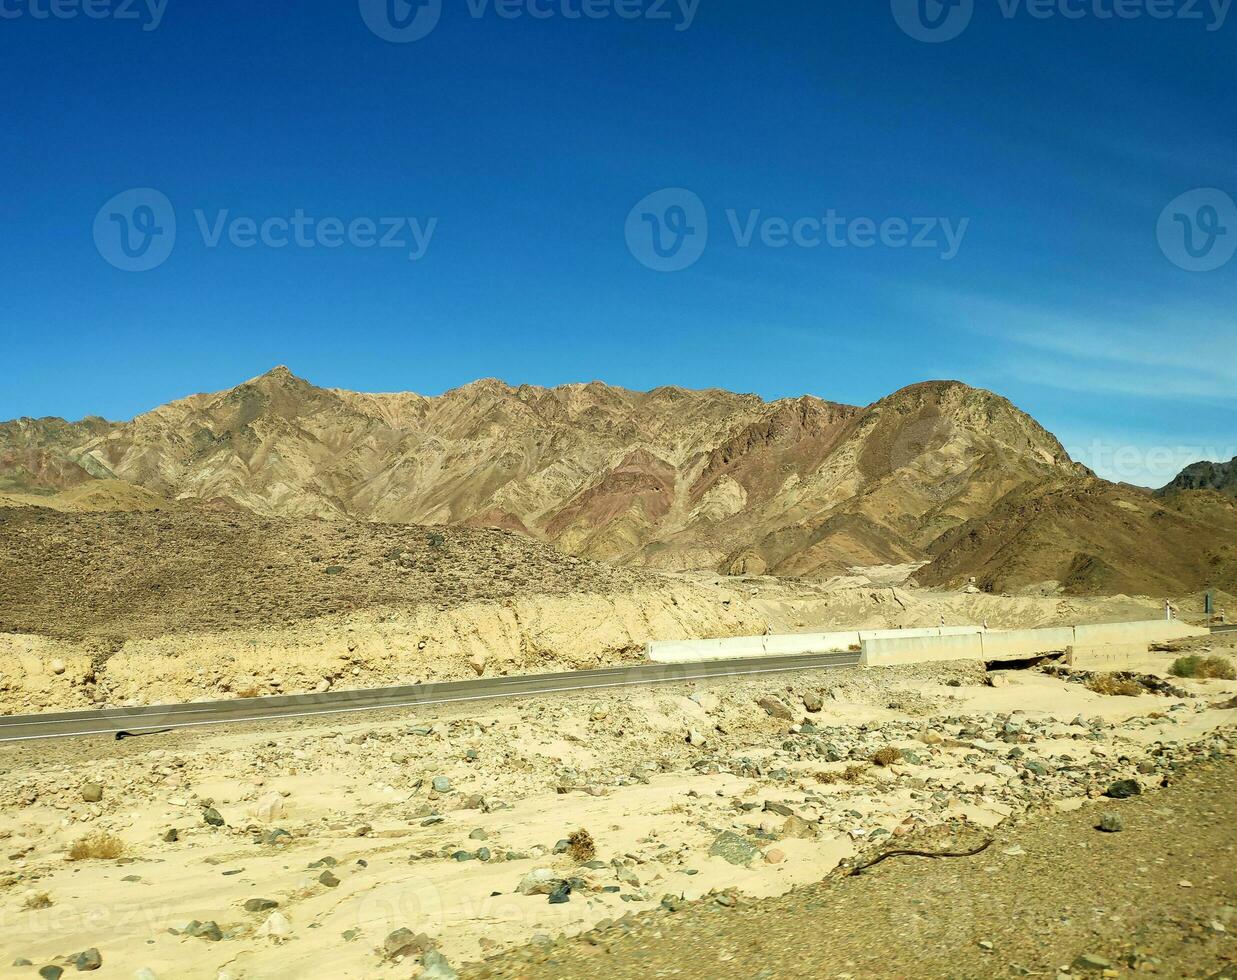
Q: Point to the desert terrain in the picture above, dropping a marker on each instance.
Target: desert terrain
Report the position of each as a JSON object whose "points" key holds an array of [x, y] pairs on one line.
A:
{"points": [[280, 538]]}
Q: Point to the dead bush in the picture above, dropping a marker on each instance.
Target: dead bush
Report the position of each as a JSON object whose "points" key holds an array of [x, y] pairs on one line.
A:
{"points": [[582, 848], [1218, 668], [851, 774], [99, 846], [1114, 685]]}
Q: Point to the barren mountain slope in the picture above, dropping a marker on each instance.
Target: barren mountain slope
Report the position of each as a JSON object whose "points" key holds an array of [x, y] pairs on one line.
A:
{"points": [[670, 478], [1205, 475], [1093, 538]]}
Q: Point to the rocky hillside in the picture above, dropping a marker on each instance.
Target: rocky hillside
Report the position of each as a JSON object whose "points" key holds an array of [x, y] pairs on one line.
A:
{"points": [[669, 478], [1205, 475]]}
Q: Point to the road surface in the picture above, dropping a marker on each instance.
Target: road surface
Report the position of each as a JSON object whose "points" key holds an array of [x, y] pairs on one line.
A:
{"points": [[110, 721]]}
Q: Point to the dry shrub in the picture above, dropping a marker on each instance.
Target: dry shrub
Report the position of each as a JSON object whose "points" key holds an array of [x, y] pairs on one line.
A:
{"points": [[887, 756], [1219, 668], [851, 774], [582, 848], [1114, 684], [97, 846]]}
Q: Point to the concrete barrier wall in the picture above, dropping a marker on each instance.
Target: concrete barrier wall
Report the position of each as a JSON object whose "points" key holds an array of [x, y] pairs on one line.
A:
{"points": [[1020, 644], [921, 649], [1153, 631], [927, 644], [1110, 656]]}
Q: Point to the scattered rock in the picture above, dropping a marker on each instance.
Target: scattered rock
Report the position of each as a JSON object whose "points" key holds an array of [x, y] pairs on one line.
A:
{"points": [[539, 881], [1110, 823], [732, 848], [203, 930], [276, 926], [404, 942], [436, 967], [776, 709], [213, 817], [1090, 963]]}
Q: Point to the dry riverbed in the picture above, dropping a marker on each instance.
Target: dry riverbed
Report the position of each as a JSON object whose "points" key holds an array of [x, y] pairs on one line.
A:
{"points": [[306, 848]]}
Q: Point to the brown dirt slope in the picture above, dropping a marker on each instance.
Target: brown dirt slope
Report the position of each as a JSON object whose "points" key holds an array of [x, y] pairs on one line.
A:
{"points": [[1093, 538], [194, 569]]}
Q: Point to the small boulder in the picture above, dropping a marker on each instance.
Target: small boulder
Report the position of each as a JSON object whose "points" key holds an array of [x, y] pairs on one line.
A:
{"points": [[776, 709], [732, 848], [1123, 789], [436, 967], [404, 942], [1110, 823], [213, 817]]}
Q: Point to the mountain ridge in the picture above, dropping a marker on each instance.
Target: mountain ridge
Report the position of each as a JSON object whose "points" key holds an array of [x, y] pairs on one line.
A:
{"points": [[672, 478]]}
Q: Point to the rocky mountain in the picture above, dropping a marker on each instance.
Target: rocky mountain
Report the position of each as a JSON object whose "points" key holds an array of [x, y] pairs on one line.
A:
{"points": [[1206, 475], [669, 478]]}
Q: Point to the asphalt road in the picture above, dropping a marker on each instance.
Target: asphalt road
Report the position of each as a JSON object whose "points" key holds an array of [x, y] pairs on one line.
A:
{"points": [[109, 721]]}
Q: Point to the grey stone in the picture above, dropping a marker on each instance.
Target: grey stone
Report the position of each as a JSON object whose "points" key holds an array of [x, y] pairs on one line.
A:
{"points": [[204, 930], [404, 942], [1110, 823], [436, 967], [1090, 963], [732, 848], [213, 817]]}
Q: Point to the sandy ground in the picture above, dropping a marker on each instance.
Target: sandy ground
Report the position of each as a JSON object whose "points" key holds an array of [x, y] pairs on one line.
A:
{"points": [[1160, 900], [689, 792]]}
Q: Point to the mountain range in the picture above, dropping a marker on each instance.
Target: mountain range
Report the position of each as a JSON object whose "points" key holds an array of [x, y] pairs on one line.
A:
{"points": [[937, 473]]}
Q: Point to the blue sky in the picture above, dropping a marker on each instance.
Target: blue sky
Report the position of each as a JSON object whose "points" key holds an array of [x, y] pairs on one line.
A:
{"points": [[1048, 146]]}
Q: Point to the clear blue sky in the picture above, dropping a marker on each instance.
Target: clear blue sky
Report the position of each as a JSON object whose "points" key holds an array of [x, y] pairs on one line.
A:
{"points": [[528, 141]]}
